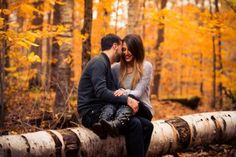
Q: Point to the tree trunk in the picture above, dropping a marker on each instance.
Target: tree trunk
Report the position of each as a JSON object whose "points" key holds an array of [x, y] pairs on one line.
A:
{"points": [[213, 99], [37, 21], [4, 47], [45, 76], [63, 73], [158, 60], [231, 4], [219, 57], [169, 136], [86, 31], [134, 16]]}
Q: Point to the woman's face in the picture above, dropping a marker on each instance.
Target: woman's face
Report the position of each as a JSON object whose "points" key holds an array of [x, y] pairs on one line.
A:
{"points": [[126, 53]]}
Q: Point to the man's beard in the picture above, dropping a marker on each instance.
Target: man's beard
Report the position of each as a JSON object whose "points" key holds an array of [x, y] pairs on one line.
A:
{"points": [[117, 57]]}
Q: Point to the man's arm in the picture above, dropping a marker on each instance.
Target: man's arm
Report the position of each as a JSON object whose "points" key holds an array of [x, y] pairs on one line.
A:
{"points": [[99, 81], [98, 77]]}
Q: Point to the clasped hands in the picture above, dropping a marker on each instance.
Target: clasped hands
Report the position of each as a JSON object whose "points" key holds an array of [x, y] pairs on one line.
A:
{"points": [[130, 102]]}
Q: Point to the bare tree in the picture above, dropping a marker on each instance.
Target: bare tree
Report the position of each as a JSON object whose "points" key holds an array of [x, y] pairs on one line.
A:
{"points": [[219, 56], [231, 4], [86, 31], [158, 60], [46, 54], [37, 21], [4, 47], [134, 16], [217, 91], [64, 16], [213, 99]]}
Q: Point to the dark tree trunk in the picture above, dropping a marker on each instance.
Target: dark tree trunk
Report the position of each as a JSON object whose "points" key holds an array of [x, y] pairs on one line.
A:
{"points": [[87, 30], [47, 48], [158, 61], [116, 21], [135, 12], [63, 67], [231, 4], [219, 57], [213, 99], [4, 47], [37, 21], [217, 94]]}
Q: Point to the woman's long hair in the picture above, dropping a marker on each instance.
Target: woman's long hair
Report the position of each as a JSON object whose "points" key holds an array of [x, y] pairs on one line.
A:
{"points": [[135, 46]]}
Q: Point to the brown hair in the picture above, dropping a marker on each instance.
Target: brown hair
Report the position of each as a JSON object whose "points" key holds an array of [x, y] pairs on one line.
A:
{"points": [[135, 46]]}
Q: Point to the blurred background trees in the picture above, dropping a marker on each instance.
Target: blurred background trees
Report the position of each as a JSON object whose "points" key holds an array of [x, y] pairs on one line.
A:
{"points": [[45, 44]]}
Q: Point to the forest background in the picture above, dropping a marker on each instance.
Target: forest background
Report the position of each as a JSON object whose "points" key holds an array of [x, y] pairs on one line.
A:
{"points": [[46, 43]]}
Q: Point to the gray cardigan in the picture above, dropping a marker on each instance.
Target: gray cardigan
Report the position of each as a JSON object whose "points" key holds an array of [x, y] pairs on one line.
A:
{"points": [[142, 89]]}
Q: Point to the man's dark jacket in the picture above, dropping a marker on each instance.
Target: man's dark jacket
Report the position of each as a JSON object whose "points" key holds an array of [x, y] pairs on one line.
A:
{"points": [[96, 86]]}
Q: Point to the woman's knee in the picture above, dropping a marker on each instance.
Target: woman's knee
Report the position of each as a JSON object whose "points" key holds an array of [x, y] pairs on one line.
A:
{"points": [[135, 123]]}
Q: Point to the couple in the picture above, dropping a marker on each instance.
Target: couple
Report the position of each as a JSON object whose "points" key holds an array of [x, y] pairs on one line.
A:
{"points": [[115, 100]]}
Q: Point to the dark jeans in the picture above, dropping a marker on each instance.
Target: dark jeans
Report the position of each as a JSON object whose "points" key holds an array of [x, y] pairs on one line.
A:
{"points": [[91, 117], [138, 133]]}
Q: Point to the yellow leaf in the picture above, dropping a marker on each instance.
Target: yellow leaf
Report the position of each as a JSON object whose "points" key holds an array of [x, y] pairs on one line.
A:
{"points": [[11, 69], [30, 43], [59, 42], [22, 44], [53, 61], [13, 24], [1, 22], [33, 58], [60, 2], [6, 11], [68, 60], [26, 8]]}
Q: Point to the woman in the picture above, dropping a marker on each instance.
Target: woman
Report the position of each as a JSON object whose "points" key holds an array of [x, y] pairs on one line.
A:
{"points": [[133, 73]]}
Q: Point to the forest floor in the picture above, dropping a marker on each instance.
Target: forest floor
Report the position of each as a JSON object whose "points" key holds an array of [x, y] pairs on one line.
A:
{"points": [[32, 117]]}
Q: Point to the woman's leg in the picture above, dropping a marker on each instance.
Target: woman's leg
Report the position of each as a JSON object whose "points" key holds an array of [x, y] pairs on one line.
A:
{"points": [[133, 132], [147, 127], [122, 116]]}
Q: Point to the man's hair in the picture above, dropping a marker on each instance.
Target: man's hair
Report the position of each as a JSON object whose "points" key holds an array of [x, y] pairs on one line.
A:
{"points": [[108, 40]]}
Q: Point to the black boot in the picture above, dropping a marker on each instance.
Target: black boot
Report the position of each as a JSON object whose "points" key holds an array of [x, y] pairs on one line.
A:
{"points": [[123, 115], [108, 112]]}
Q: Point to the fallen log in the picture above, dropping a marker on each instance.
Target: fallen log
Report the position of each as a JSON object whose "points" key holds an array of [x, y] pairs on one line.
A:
{"points": [[169, 136]]}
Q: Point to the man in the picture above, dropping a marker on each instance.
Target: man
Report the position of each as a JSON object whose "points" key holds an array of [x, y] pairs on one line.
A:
{"points": [[96, 90]]}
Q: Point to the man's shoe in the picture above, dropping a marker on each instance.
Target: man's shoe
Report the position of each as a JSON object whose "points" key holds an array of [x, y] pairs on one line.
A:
{"points": [[98, 129], [111, 127]]}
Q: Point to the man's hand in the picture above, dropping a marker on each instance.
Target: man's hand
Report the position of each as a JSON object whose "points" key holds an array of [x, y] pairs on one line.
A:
{"points": [[119, 92], [133, 104]]}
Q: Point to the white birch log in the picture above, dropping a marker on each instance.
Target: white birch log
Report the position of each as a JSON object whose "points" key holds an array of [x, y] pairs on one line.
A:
{"points": [[169, 136]]}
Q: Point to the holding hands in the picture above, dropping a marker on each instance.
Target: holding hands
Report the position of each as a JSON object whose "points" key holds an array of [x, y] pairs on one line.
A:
{"points": [[119, 92], [134, 104]]}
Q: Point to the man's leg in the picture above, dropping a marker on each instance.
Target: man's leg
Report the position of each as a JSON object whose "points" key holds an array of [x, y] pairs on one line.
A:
{"points": [[147, 132], [133, 132]]}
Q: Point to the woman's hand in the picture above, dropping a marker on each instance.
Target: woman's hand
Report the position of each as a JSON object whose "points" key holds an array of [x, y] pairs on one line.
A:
{"points": [[119, 92]]}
